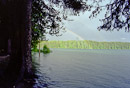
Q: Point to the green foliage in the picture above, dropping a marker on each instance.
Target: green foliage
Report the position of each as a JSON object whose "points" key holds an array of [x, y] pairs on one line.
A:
{"points": [[46, 49], [45, 19], [34, 49], [34, 45], [86, 44]]}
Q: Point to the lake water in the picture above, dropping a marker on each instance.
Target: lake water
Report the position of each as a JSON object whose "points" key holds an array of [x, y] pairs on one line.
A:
{"points": [[66, 68]]}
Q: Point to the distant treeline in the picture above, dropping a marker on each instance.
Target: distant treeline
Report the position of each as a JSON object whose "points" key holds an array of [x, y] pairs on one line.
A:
{"points": [[86, 44]]}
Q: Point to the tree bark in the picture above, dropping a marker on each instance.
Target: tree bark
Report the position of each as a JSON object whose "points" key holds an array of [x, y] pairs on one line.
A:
{"points": [[16, 17], [27, 58]]}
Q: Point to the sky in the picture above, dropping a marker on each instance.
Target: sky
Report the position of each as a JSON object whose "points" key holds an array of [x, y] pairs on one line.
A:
{"points": [[83, 28]]}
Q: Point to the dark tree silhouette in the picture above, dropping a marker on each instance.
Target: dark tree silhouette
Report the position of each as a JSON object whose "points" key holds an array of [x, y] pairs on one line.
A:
{"points": [[117, 14], [44, 19], [15, 25], [117, 11], [46, 16]]}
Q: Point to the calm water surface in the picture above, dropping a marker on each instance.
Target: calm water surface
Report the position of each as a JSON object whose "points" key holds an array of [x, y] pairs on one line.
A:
{"points": [[65, 68]]}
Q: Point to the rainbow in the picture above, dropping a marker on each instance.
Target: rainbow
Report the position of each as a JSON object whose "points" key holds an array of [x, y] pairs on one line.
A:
{"points": [[75, 34], [78, 37]]}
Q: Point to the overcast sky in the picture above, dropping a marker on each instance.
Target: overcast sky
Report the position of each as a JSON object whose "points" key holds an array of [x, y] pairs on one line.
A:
{"points": [[84, 28]]}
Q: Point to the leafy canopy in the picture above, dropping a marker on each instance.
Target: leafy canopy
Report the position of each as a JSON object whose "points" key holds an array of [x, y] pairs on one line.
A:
{"points": [[47, 17]]}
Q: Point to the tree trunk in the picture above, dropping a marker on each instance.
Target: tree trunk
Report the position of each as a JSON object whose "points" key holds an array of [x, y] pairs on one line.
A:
{"points": [[26, 46], [16, 17]]}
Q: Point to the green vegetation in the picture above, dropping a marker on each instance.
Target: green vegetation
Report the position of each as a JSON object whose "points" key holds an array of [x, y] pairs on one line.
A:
{"points": [[45, 49], [86, 44], [34, 48]]}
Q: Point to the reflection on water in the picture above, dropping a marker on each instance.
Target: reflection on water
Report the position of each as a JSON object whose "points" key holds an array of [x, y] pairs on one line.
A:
{"points": [[83, 69]]}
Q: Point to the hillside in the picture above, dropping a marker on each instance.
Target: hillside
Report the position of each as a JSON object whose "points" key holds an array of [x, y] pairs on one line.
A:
{"points": [[86, 44]]}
